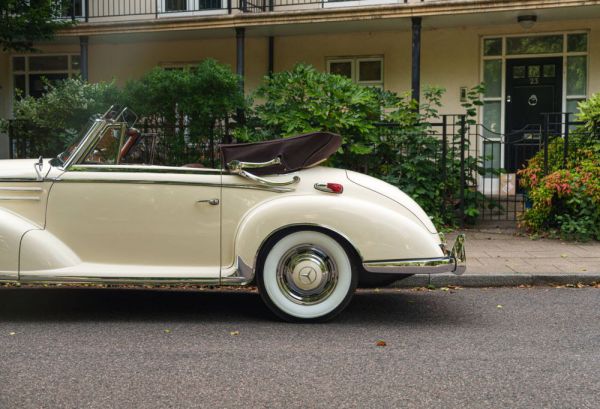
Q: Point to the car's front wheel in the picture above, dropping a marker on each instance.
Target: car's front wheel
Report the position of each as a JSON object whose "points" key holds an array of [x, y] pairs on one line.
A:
{"points": [[307, 276]]}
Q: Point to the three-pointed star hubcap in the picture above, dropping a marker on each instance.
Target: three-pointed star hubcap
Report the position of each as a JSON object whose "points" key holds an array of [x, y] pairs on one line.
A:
{"points": [[306, 274]]}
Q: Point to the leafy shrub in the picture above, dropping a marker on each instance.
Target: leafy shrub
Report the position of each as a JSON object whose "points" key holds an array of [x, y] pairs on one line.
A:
{"points": [[566, 201], [186, 110], [50, 123], [386, 135], [305, 100]]}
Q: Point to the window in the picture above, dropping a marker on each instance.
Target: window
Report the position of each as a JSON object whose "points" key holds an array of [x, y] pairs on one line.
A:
{"points": [[72, 8], [549, 44], [367, 71], [32, 72], [178, 6]]}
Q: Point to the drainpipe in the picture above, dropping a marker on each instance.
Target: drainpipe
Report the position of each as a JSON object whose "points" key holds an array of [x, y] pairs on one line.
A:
{"points": [[271, 67], [416, 58], [83, 57]]}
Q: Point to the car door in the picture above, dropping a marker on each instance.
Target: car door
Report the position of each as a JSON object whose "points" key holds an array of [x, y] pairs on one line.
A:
{"points": [[138, 221]]}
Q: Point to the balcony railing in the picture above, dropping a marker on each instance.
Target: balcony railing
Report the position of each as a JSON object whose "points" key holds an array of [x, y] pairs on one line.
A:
{"points": [[110, 10]]}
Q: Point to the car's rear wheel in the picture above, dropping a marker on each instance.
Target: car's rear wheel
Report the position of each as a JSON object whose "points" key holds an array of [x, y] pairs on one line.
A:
{"points": [[307, 276]]}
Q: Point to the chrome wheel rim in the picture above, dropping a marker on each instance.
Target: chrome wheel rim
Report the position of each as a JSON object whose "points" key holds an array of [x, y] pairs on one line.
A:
{"points": [[306, 274]]}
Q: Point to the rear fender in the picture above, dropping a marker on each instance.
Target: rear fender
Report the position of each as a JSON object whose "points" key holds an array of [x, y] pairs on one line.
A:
{"points": [[376, 232]]}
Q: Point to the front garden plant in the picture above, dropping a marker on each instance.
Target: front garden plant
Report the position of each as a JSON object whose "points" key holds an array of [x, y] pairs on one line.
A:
{"points": [[566, 200]]}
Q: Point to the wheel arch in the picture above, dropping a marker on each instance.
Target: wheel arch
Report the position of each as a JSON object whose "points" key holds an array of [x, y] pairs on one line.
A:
{"points": [[283, 231]]}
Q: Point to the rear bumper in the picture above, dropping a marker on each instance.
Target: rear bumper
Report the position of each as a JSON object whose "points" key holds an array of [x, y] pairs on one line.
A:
{"points": [[454, 262]]}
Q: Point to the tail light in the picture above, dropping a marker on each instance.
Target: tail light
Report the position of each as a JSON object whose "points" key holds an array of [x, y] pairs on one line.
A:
{"points": [[330, 187]]}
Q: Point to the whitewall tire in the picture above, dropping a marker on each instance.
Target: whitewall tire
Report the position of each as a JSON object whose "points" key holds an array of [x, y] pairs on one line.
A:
{"points": [[307, 276]]}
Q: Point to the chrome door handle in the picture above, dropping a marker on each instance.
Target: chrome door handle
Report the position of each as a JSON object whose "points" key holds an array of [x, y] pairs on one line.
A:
{"points": [[212, 202]]}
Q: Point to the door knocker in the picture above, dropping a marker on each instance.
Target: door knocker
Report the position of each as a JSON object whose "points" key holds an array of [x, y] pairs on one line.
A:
{"points": [[533, 100]]}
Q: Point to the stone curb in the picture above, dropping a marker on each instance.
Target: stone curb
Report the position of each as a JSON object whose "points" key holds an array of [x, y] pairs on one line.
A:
{"points": [[495, 280]]}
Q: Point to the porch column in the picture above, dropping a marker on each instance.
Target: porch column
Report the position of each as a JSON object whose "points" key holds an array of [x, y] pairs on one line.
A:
{"points": [[240, 37], [83, 57], [271, 66], [416, 58]]}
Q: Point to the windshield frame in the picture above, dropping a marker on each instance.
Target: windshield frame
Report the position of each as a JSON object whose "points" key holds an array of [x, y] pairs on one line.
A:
{"points": [[110, 120]]}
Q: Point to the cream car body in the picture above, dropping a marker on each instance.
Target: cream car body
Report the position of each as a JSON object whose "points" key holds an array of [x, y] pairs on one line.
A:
{"points": [[139, 223]]}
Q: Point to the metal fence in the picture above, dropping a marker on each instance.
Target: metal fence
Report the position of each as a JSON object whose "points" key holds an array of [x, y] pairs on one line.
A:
{"points": [[90, 10]]}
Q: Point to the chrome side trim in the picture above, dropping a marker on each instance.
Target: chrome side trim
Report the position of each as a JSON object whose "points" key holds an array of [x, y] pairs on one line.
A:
{"points": [[8, 277], [20, 189], [11, 180], [138, 182], [35, 198], [42, 279], [143, 169], [453, 262], [175, 182]]}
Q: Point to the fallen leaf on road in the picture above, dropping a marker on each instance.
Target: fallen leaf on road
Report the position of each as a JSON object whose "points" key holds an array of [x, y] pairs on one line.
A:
{"points": [[167, 331], [234, 333], [12, 333], [564, 256], [499, 306], [381, 343], [445, 289]]}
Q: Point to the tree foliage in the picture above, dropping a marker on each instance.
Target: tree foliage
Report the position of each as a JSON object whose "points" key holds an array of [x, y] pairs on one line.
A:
{"points": [[24, 22]]}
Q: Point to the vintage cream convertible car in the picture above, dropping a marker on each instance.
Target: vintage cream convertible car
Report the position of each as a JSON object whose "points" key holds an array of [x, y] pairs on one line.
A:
{"points": [[306, 235]]}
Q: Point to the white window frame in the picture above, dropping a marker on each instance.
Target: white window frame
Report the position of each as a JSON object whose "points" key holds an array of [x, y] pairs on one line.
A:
{"points": [[341, 61], [27, 72], [77, 17], [191, 9], [355, 68], [369, 83]]}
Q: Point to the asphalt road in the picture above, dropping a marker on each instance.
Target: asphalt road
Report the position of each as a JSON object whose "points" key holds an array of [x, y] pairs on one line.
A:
{"points": [[89, 348]]}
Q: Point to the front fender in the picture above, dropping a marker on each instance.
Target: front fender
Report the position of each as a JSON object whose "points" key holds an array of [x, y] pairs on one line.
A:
{"points": [[12, 230], [377, 232]]}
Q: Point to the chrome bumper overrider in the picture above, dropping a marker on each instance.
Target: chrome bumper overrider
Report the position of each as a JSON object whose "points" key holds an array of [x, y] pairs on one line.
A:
{"points": [[454, 262]]}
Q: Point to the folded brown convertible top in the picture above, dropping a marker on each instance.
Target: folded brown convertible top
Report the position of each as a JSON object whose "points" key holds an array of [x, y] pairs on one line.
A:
{"points": [[296, 152]]}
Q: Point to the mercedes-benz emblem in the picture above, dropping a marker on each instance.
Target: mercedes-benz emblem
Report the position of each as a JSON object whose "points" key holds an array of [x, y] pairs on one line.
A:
{"points": [[308, 275]]}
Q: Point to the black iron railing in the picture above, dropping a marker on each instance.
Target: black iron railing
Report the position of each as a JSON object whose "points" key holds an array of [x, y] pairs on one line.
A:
{"points": [[101, 10], [502, 156]]}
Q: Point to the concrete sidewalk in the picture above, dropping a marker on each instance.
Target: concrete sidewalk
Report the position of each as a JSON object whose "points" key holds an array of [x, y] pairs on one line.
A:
{"points": [[499, 257]]}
